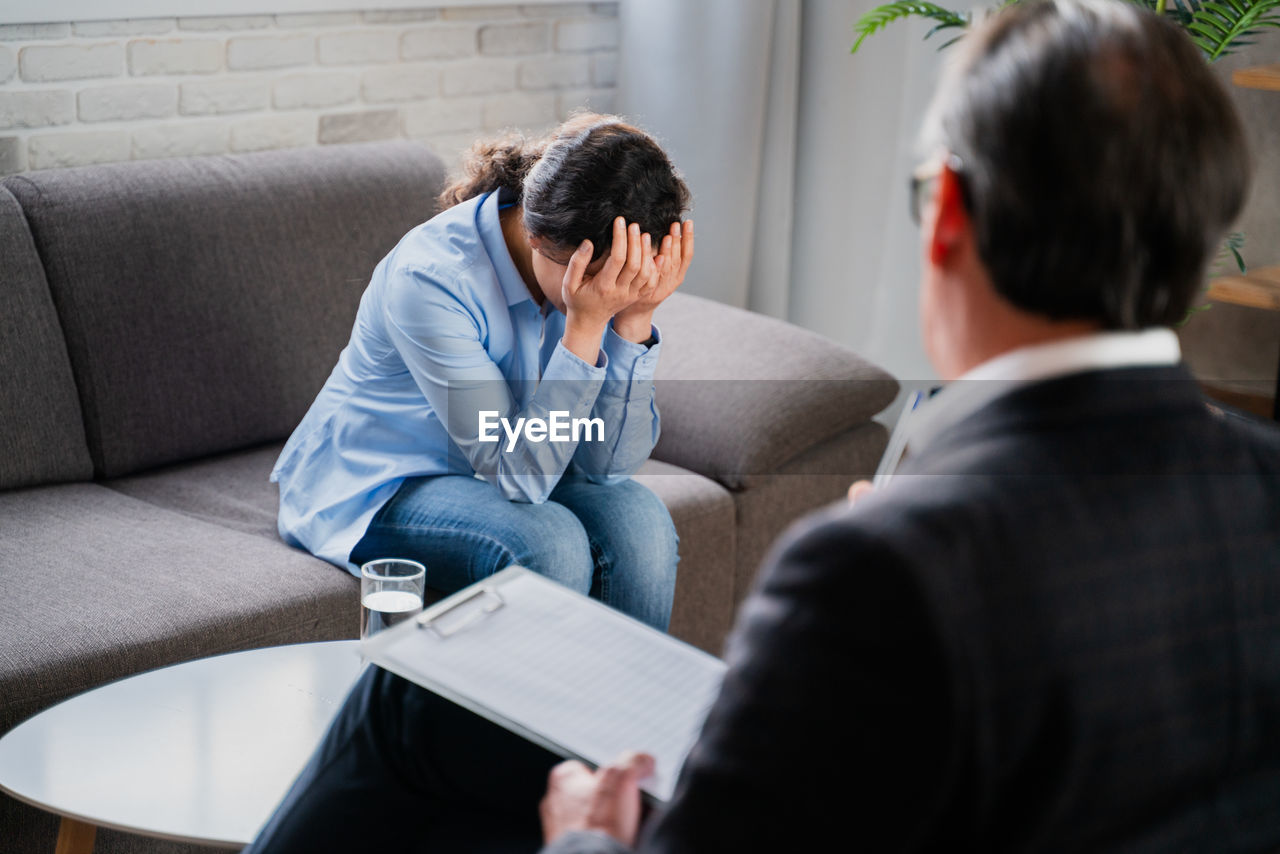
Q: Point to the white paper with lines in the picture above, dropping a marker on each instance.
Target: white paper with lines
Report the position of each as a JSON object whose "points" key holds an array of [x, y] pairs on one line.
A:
{"points": [[563, 670]]}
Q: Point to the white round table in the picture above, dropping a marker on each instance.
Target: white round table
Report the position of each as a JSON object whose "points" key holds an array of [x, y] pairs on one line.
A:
{"points": [[197, 752]]}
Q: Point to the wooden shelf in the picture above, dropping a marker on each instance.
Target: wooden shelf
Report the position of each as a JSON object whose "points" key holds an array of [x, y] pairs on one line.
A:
{"points": [[1258, 77], [1256, 403], [1259, 288]]}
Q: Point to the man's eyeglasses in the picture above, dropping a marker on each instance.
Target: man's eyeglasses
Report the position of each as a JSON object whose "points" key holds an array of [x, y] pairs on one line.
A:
{"points": [[924, 179]]}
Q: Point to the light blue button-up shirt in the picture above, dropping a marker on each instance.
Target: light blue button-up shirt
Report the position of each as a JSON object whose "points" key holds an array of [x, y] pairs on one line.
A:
{"points": [[446, 329]]}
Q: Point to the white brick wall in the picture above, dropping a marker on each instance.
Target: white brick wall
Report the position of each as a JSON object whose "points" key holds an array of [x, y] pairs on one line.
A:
{"points": [[315, 89], [441, 41], [224, 95], [122, 103], [8, 64], [173, 56], [358, 47], [515, 39], [45, 64], [37, 108], [99, 91], [257, 52], [47, 150], [405, 81]]}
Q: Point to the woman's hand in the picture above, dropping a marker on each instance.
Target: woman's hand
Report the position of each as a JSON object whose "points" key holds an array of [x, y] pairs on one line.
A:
{"points": [[675, 253], [590, 302], [628, 269]]}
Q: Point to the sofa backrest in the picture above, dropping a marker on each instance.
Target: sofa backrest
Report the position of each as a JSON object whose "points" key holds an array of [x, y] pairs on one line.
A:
{"points": [[204, 300], [742, 394], [41, 430]]}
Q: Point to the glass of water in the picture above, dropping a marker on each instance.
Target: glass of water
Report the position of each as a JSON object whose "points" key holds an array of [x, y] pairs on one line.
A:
{"points": [[391, 591]]}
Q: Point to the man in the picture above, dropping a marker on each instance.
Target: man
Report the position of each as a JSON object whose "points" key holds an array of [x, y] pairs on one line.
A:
{"points": [[1058, 627]]}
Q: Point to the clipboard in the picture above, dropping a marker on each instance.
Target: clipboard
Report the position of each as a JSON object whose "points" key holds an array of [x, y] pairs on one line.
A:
{"points": [[898, 440], [559, 669]]}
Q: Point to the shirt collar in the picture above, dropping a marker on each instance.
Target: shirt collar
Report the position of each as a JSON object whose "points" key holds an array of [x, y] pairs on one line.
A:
{"points": [[495, 246], [1000, 375]]}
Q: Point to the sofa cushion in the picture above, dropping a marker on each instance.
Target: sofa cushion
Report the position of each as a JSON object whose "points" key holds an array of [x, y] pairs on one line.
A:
{"points": [[232, 490], [817, 477], [703, 512], [206, 299], [741, 394], [41, 429], [99, 585]]}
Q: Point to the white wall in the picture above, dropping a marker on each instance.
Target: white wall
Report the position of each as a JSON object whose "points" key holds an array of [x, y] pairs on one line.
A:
{"points": [[855, 257], [797, 153], [82, 92], [696, 74]]}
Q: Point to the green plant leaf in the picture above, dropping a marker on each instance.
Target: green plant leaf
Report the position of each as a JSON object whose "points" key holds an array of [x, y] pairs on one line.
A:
{"points": [[881, 16], [1192, 312], [1230, 251], [1218, 27]]}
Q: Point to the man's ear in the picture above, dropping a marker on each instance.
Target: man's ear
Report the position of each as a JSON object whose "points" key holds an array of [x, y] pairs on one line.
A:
{"points": [[951, 223]]}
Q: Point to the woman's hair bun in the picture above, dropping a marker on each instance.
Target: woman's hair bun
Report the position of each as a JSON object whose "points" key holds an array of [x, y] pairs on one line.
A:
{"points": [[494, 164]]}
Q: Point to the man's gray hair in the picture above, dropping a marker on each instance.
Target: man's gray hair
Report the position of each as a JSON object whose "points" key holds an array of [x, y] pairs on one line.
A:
{"points": [[1102, 160]]}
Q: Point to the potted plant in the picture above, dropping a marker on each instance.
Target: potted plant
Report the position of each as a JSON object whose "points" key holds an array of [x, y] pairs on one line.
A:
{"points": [[1218, 28]]}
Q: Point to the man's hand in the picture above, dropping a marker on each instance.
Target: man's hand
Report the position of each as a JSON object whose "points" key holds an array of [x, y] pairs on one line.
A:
{"points": [[860, 489], [606, 800], [675, 254]]}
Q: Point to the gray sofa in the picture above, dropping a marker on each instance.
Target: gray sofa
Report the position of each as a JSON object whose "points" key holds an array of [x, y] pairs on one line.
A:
{"points": [[164, 326]]}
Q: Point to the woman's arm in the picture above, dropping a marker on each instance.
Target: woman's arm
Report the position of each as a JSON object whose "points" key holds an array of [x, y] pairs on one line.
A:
{"points": [[439, 338], [626, 403], [627, 407]]}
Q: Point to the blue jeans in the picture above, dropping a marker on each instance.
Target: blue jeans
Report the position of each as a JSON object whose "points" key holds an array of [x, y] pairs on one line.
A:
{"points": [[615, 542]]}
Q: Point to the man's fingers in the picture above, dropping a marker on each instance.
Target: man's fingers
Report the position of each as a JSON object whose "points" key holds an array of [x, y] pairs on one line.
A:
{"points": [[641, 763], [566, 771], [625, 771], [609, 780], [860, 490]]}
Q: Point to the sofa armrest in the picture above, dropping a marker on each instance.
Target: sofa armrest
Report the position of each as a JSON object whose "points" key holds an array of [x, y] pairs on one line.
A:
{"points": [[741, 393]]}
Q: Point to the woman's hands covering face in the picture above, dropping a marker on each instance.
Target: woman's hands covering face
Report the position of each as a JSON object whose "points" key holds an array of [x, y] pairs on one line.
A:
{"points": [[675, 253], [633, 281], [618, 284]]}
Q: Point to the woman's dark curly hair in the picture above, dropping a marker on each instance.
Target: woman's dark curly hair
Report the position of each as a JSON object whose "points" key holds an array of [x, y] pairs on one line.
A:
{"points": [[573, 183]]}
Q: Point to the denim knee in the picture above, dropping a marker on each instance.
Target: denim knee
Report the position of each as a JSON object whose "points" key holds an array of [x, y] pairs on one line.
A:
{"points": [[647, 537], [554, 544]]}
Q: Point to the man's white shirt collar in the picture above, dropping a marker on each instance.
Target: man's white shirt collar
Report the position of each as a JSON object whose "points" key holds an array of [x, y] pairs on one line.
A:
{"points": [[1036, 363]]}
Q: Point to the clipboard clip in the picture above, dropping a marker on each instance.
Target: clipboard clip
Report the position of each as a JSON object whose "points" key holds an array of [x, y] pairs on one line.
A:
{"points": [[462, 614]]}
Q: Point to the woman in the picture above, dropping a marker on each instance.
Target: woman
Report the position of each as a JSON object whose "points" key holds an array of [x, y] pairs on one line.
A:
{"points": [[529, 297]]}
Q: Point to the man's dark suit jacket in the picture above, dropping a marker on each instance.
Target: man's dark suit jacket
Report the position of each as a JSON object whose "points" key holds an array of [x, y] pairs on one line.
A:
{"points": [[1058, 629]]}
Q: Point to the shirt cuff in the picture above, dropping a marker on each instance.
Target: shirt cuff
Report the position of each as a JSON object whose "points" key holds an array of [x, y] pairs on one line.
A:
{"points": [[564, 364], [629, 361]]}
